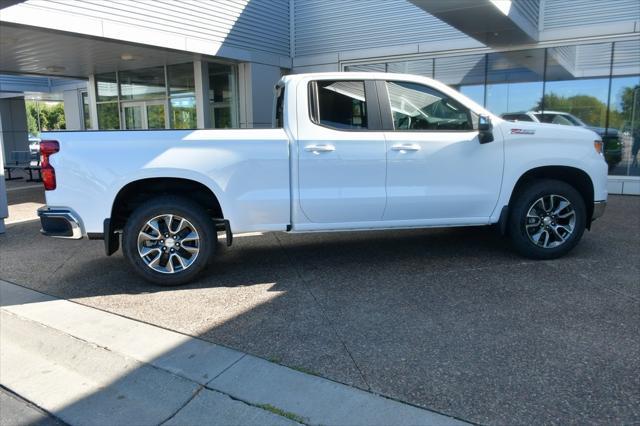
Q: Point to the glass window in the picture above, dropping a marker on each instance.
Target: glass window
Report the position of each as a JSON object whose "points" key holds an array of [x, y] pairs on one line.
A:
{"points": [[557, 118], [183, 113], [108, 116], [146, 83], [280, 107], [418, 107], [182, 96], [86, 113], [222, 117], [423, 67], [133, 117], [514, 81], [220, 83], [341, 104], [155, 116], [463, 73], [222, 95], [624, 109], [181, 80], [578, 84], [516, 117], [379, 67], [107, 87]]}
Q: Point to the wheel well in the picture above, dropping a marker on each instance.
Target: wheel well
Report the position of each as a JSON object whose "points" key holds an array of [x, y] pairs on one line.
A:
{"points": [[136, 193], [571, 175]]}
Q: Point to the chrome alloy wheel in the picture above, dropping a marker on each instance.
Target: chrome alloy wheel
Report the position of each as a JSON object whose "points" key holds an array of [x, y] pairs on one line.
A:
{"points": [[550, 221], [168, 243]]}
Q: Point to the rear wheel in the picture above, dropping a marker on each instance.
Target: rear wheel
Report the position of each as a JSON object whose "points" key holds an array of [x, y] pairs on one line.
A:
{"points": [[169, 240], [547, 219]]}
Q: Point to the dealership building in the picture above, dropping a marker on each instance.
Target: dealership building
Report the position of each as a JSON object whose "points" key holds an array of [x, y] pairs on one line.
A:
{"points": [[149, 64]]}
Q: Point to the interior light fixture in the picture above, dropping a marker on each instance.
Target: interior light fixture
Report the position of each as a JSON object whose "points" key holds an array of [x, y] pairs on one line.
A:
{"points": [[129, 57], [55, 68]]}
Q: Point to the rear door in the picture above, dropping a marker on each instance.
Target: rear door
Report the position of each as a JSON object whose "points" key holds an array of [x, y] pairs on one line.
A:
{"points": [[342, 153], [437, 170]]}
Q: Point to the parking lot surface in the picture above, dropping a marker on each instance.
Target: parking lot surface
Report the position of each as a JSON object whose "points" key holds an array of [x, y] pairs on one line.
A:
{"points": [[447, 319]]}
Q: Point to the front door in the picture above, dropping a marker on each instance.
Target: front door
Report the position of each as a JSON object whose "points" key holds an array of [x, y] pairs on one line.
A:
{"points": [[341, 154], [437, 170], [144, 115]]}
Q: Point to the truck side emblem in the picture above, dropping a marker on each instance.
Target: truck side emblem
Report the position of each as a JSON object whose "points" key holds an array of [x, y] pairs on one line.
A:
{"points": [[522, 132]]}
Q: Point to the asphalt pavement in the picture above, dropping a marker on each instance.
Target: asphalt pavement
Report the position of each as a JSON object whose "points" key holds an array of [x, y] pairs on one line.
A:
{"points": [[446, 319], [16, 411]]}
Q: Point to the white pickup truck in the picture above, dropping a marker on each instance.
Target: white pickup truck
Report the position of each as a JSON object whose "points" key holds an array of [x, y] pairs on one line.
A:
{"points": [[347, 152]]}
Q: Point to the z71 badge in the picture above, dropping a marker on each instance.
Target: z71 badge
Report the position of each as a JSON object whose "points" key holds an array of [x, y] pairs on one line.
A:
{"points": [[523, 132]]}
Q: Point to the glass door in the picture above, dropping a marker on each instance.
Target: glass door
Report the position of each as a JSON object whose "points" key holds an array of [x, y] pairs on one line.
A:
{"points": [[133, 116], [144, 115], [155, 115]]}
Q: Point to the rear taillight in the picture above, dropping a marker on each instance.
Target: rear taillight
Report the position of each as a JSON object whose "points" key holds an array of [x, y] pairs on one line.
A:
{"points": [[47, 149]]}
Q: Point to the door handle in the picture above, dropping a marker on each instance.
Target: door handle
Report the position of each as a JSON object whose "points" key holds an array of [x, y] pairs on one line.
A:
{"points": [[320, 148], [406, 147]]}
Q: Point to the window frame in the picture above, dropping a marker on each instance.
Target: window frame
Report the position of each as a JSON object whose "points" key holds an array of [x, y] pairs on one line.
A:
{"points": [[387, 113], [371, 99]]}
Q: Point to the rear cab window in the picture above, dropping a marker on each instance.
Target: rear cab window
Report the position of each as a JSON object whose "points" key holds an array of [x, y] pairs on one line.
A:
{"points": [[339, 104], [279, 121]]}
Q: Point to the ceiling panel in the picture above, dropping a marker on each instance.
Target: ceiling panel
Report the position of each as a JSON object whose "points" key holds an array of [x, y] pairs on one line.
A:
{"points": [[29, 50]]}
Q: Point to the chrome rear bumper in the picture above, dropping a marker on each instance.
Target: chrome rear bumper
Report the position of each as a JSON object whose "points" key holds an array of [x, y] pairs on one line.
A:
{"points": [[59, 223], [598, 209]]}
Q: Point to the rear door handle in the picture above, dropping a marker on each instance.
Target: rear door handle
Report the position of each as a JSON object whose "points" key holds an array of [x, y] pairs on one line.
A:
{"points": [[320, 148], [406, 147]]}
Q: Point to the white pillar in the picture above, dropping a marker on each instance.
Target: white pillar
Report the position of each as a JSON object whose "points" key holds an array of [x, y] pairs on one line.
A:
{"points": [[4, 209], [93, 106], [203, 107], [73, 114], [255, 89], [13, 137]]}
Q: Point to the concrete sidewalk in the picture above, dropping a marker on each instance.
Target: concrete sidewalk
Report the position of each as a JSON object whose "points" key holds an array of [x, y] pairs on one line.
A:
{"points": [[87, 366]]}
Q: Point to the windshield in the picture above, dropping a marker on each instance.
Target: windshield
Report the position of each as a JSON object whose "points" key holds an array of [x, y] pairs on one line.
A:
{"points": [[565, 119]]}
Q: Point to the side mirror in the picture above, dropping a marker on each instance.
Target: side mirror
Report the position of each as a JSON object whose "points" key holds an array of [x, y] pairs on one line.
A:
{"points": [[485, 129]]}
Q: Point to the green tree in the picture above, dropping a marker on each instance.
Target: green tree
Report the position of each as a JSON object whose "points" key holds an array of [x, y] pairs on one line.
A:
{"points": [[629, 108], [589, 109], [32, 111], [55, 117], [51, 116], [32, 123]]}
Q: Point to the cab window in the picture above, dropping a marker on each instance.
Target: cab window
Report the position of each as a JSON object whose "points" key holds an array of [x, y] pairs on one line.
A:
{"points": [[339, 104], [279, 107], [418, 107]]}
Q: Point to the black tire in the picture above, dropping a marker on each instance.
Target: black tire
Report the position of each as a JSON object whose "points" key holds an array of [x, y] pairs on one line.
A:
{"points": [[170, 205], [518, 220]]}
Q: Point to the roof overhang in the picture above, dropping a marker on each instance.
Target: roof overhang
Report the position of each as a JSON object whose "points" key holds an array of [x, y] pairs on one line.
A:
{"points": [[33, 50], [492, 22]]}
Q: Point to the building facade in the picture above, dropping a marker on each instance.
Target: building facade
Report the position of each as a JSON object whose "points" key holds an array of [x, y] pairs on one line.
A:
{"points": [[148, 64]]}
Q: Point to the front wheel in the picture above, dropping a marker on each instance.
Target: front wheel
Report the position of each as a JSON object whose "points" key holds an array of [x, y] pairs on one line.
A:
{"points": [[169, 240], [547, 219]]}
